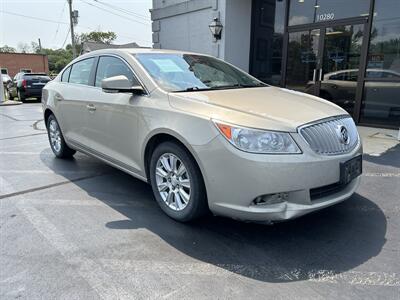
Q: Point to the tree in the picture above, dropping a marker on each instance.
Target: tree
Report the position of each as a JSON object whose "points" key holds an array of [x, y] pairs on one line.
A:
{"points": [[24, 48], [98, 36], [9, 49]]}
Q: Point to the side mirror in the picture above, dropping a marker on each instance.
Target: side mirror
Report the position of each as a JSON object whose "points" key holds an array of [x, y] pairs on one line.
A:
{"points": [[120, 84]]}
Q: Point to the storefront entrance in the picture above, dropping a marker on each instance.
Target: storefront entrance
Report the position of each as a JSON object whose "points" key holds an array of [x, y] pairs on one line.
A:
{"points": [[325, 61], [347, 52]]}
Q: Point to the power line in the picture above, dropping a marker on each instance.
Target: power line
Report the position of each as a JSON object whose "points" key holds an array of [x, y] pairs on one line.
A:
{"points": [[65, 40], [34, 18], [123, 10], [111, 12], [58, 26], [63, 23]]}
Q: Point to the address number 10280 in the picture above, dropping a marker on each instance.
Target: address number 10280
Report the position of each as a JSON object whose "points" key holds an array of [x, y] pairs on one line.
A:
{"points": [[326, 17]]}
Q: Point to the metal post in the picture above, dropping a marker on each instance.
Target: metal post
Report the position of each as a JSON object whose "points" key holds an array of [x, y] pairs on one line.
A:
{"points": [[2, 94], [72, 29]]}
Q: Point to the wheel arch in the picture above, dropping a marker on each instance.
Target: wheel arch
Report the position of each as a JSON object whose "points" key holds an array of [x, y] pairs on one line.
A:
{"points": [[158, 137], [47, 113]]}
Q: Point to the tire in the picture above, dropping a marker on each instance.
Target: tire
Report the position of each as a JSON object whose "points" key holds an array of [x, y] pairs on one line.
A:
{"points": [[171, 188], [7, 94], [21, 96], [56, 139]]}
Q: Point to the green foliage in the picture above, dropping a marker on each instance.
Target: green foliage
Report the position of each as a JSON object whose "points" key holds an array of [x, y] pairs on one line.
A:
{"points": [[6, 48], [98, 36]]}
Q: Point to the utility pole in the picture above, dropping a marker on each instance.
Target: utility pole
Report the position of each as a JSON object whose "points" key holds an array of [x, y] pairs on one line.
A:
{"points": [[40, 46], [71, 22]]}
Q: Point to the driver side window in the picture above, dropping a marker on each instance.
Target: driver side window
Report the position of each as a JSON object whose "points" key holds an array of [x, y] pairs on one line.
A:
{"points": [[110, 66]]}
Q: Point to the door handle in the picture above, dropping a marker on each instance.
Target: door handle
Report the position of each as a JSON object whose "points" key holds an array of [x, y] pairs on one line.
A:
{"points": [[320, 75], [91, 107]]}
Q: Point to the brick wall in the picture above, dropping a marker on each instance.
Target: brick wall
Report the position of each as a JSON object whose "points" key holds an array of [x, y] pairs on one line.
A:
{"points": [[14, 62]]}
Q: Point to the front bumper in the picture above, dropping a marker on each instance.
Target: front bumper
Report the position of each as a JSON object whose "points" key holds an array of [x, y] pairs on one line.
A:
{"points": [[235, 178]]}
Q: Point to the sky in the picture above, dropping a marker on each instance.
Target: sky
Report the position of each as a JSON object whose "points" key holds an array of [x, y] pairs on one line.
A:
{"points": [[24, 21]]}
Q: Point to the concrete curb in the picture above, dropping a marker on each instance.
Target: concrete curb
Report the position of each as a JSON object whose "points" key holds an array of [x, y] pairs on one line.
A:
{"points": [[10, 102]]}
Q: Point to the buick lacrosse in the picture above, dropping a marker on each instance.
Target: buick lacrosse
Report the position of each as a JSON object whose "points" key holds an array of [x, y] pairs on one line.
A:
{"points": [[204, 134]]}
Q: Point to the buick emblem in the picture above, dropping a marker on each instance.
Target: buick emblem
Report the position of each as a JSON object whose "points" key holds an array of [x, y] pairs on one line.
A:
{"points": [[343, 134]]}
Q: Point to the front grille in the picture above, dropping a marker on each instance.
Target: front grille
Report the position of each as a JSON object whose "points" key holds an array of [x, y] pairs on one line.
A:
{"points": [[324, 137], [326, 190]]}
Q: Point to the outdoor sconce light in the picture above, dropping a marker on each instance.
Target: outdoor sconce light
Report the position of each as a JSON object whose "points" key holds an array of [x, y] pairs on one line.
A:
{"points": [[216, 28]]}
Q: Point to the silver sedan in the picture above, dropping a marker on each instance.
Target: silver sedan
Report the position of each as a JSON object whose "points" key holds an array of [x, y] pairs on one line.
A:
{"points": [[205, 135]]}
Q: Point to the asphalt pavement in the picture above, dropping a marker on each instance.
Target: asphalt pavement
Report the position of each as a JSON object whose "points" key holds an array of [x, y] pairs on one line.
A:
{"points": [[80, 229]]}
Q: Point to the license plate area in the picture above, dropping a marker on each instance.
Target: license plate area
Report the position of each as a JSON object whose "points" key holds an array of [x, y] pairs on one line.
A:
{"points": [[350, 169]]}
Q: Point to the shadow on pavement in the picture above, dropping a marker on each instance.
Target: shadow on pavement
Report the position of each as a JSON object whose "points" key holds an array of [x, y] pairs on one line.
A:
{"points": [[336, 239], [390, 157]]}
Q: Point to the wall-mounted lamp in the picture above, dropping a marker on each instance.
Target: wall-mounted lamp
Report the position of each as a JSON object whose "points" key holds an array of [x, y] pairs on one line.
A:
{"points": [[216, 28]]}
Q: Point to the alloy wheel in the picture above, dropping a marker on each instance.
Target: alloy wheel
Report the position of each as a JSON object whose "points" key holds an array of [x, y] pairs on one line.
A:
{"points": [[173, 181], [55, 136]]}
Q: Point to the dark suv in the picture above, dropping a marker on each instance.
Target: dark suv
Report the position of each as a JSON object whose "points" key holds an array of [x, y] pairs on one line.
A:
{"points": [[27, 85]]}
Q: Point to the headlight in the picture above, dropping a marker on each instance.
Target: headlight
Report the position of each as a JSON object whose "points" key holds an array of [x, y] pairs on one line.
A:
{"points": [[258, 141]]}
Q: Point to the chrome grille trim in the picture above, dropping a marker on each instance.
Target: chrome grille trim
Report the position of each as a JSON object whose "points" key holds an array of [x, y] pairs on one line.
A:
{"points": [[323, 138]]}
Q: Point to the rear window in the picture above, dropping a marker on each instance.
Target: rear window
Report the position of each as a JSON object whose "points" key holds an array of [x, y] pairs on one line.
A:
{"points": [[36, 76], [65, 75], [81, 70]]}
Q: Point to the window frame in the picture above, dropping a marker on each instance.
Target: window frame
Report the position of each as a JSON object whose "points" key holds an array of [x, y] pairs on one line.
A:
{"points": [[92, 71], [140, 82], [62, 74], [120, 59]]}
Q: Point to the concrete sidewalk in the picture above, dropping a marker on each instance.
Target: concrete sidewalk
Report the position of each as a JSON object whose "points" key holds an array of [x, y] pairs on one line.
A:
{"points": [[377, 141], [9, 102]]}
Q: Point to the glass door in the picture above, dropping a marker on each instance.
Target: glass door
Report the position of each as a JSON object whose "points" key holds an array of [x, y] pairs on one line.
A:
{"points": [[303, 61], [325, 62], [338, 77]]}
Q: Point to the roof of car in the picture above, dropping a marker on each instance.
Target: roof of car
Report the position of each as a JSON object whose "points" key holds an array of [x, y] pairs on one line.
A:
{"points": [[139, 51]]}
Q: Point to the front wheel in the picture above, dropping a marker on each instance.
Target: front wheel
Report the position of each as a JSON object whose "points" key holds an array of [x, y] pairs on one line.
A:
{"points": [[56, 139], [177, 182]]}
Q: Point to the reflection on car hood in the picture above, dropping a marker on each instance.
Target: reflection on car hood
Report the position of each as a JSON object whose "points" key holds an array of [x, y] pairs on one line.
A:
{"points": [[288, 108]]}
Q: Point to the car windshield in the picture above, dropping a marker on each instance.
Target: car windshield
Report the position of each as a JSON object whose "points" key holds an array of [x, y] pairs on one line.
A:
{"points": [[189, 72]]}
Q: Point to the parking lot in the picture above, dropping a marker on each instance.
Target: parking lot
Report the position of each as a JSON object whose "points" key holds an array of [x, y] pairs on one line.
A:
{"points": [[81, 229]]}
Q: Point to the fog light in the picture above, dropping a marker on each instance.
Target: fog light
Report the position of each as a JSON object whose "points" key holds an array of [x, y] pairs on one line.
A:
{"points": [[271, 199]]}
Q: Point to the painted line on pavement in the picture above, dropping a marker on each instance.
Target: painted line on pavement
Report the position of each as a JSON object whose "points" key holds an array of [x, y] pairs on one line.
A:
{"points": [[266, 272], [22, 136], [382, 174], [92, 272]]}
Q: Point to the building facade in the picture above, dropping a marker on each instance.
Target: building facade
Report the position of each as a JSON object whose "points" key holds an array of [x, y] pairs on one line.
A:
{"points": [[347, 52], [13, 63]]}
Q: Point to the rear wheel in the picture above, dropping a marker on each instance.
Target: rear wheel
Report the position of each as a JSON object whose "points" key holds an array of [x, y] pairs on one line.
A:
{"points": [[177, 182], [21, 96], [56, 139]]}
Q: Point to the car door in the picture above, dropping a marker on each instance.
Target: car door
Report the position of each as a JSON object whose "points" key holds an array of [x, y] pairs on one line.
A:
{"points": [[113, 117], [71, 97]]}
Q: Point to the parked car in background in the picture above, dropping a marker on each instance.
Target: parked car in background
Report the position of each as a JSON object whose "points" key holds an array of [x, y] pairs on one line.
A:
{"points": [[204, 134], [6, 80], [27, 85], [383, 86]]}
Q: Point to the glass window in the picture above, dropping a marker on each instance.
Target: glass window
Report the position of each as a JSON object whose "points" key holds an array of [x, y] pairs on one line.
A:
{"points": [[384, 49], [186, 72], [381, 101], [313, 11], [80, 72], [65, 75], [109, 66], [267, 40]]}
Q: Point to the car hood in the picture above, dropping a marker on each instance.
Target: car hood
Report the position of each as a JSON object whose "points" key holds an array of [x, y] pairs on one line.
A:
{"points": [[283, 109]]}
